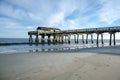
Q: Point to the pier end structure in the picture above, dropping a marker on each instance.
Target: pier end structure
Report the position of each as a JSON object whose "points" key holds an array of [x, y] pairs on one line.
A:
{"points": [[43, 31]]}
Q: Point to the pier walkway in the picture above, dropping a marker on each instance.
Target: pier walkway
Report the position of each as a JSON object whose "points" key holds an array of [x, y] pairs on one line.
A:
{"points": [[55, 35]]}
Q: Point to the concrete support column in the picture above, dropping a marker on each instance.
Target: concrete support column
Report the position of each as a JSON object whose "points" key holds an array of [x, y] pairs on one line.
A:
{"points": [[49, 40], [69, 38], [97, 38], [110, 39], [102, 38], [82, 38], [92, 38], [30, 39], [59, 38], [77, 38], [37, 39], [110, 42], [62, 37], [42, 38], [54, 38], [65, 39], [87, 39], [114, 38]]}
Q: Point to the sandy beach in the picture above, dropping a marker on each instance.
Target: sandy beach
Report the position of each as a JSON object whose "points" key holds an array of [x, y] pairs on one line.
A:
{"points": [[80, 64]]}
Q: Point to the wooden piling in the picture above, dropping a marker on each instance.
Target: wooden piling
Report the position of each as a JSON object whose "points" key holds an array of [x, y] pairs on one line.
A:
{"points": [[54, 38], [62, 37], [30, 39], [49, 40], [59, 39], [97, 38], [69, 38], [82, 38], [77, 38], [114, 39], [92, 38], [65, 38], [37, 39], [42, 38], [87, 39], [102, 38], [110, 39]]}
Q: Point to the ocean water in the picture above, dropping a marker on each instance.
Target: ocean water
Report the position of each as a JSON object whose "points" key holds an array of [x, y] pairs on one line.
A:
{"points": [[23, 45]]}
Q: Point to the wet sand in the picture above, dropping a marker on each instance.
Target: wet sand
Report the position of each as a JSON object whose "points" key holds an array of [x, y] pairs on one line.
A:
{"points": [[80, 64]]}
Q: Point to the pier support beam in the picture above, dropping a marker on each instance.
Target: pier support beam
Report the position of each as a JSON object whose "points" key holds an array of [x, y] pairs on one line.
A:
{"points": [[102, 38], [62, 38], [110, 42], [49, 40], [37, 39], [30, 39], [77, 38], [87, 39], [65, 38], [97, 42], [69, 38], [92, 38], [54, 39], [97, 38], [110, 39], [59, 38], [83, 38], [42, 38], [114, 39]]}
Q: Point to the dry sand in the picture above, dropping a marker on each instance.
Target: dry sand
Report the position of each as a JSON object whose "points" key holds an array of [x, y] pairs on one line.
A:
{"points": [[83, 64]]}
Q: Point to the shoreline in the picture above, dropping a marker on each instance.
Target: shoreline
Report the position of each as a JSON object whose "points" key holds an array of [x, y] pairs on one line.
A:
{"points": [[74, 50], [81, 64]]}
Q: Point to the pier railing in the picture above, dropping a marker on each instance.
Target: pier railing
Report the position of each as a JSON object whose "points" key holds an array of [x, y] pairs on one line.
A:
{"points": [[94, 30]]}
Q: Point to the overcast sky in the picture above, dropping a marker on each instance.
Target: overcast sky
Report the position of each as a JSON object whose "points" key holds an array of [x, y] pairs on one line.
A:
{"points": [[17, 17]]}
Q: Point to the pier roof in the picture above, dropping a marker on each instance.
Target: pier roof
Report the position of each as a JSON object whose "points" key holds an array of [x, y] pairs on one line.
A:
{"points": [[48, 28]]}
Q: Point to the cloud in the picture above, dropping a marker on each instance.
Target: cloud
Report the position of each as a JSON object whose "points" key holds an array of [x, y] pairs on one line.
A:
{"points": [[11, 25], [8, 24], [57, 18], [77, 12], [110, 11], [24, 15], [46, 12], [12, 11]]}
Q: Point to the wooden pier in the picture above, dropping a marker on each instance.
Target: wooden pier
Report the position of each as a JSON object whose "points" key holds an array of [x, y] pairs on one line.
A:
{"points": [[55, 35]]}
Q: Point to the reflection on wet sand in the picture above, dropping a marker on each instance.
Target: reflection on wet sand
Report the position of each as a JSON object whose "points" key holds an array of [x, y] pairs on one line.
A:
{"points": [[69, 47]]}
